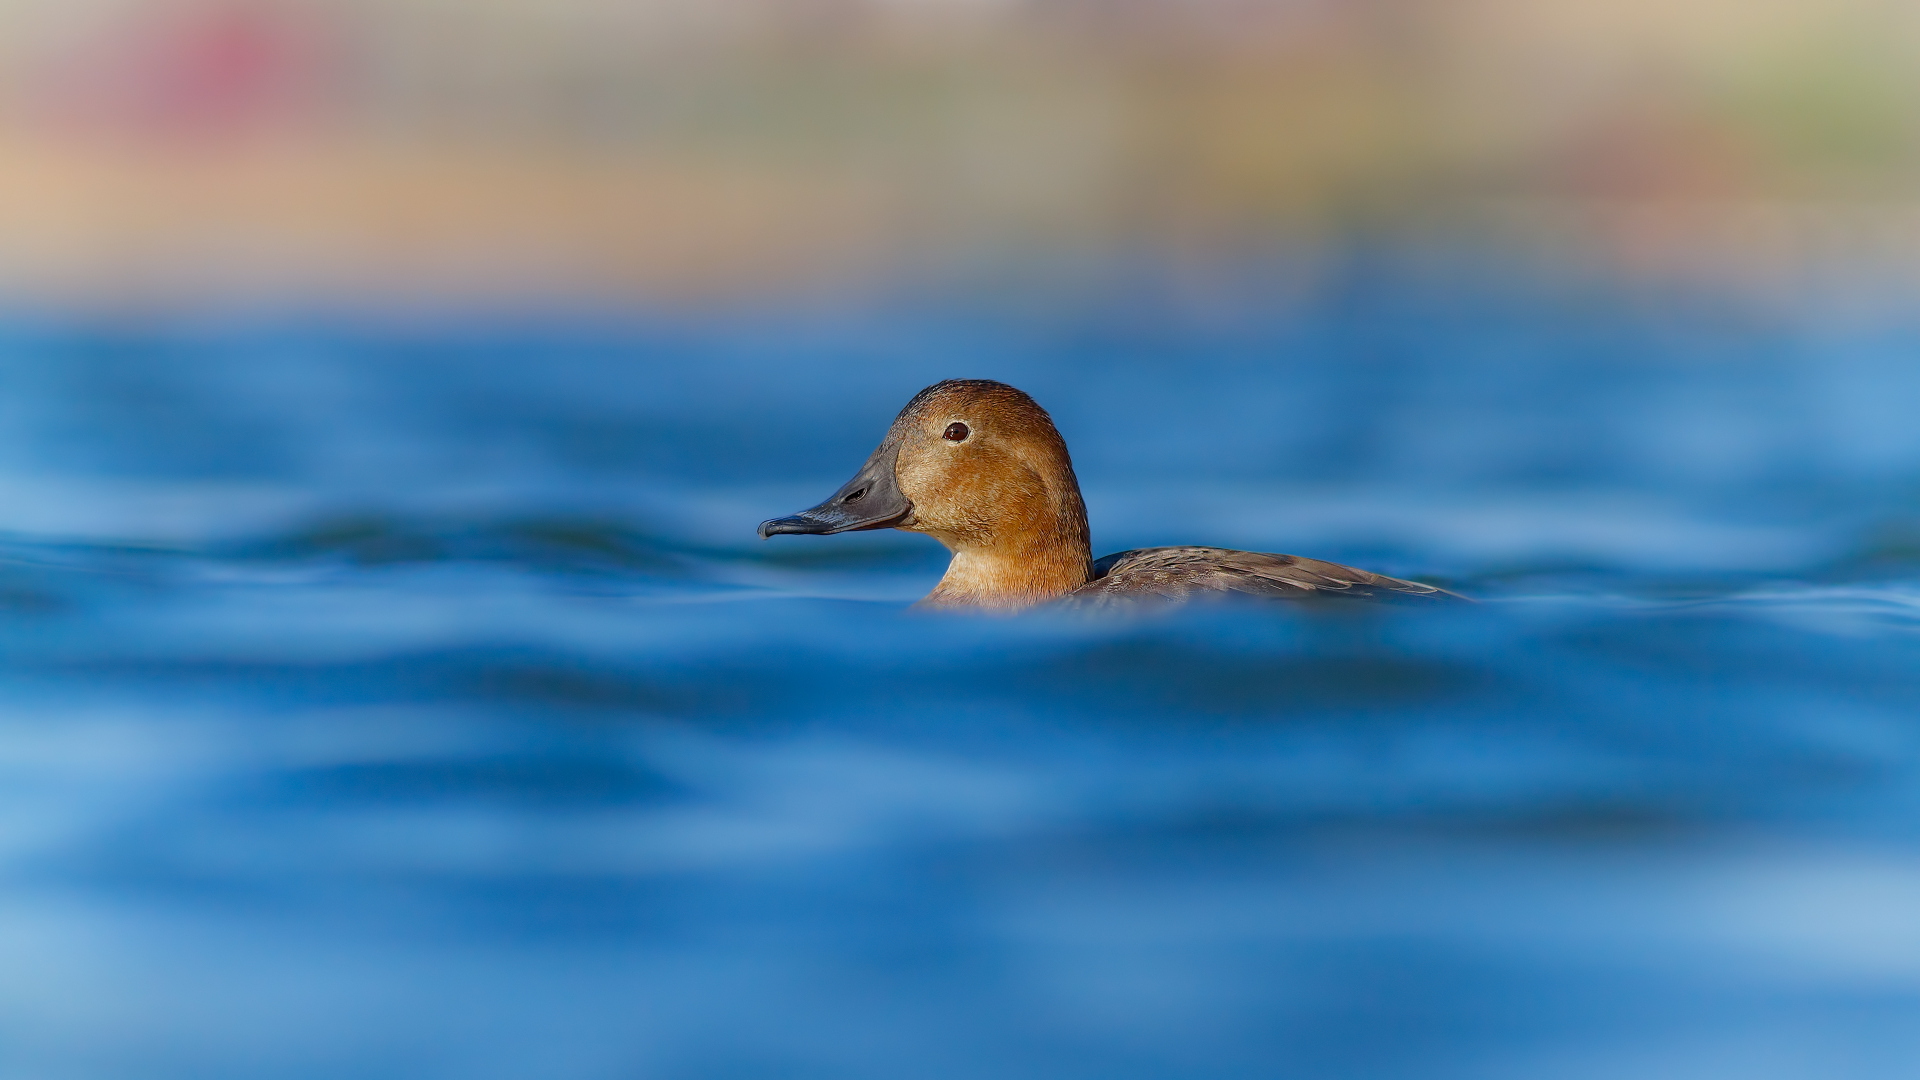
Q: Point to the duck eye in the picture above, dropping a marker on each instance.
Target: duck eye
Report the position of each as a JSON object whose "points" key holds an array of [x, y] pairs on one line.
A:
{"points": [[956, 432]]}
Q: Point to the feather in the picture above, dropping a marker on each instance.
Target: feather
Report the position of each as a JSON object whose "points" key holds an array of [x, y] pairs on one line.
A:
{"points": [[1177, 573]]}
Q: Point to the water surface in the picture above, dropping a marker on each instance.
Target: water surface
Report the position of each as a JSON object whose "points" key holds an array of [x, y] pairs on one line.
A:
{"points": [[412, 699]]}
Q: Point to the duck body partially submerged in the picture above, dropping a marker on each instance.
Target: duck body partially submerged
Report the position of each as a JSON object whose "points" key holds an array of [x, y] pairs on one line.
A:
{"points": [[979, 466], [1183, 573]]}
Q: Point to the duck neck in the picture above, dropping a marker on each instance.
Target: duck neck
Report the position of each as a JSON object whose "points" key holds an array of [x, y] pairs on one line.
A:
{"points": [[1019, 567]]}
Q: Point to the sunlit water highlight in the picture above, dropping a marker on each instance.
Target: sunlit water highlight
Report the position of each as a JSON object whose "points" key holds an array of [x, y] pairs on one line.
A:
{"points": [[415, 701]]}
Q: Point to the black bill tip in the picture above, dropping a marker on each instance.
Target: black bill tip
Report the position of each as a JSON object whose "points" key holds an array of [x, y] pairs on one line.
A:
{"points": [[795, 524]]}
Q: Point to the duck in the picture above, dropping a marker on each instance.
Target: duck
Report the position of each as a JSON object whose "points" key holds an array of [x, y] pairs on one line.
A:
{"points": [[979, 466]]}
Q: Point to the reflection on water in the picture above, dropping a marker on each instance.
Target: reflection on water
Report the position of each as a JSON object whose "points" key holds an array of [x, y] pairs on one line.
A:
{"points": [[407, 701]]}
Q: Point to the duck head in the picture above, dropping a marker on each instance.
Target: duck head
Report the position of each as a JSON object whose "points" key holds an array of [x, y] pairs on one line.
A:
{"points": [[979, 466]]}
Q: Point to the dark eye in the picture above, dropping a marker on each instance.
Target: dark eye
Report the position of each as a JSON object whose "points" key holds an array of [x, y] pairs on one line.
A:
{"points": [[956, 432]]}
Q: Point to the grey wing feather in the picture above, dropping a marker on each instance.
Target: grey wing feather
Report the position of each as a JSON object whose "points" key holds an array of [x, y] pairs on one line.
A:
{"points": [[1177, 573]]}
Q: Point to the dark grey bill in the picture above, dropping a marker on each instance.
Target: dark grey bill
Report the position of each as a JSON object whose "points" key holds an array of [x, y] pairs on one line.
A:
{"points": [[871, 500]]}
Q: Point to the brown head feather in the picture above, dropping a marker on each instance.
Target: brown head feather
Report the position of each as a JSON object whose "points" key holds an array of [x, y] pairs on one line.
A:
{"points": [[1003, 498]]}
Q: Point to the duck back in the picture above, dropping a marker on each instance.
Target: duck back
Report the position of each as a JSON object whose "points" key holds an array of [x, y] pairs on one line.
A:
{"points": [[1182, 573]]}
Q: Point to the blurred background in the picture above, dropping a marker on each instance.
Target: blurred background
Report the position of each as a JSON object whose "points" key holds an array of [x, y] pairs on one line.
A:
{"points": [[667, 150], [392, 684]]}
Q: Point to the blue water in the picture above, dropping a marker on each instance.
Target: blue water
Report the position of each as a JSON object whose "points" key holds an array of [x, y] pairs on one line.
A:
{"points": [[391, 697]]}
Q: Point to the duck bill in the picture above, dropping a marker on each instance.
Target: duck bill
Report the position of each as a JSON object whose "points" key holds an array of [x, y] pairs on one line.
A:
{"points": [[871, 500]]}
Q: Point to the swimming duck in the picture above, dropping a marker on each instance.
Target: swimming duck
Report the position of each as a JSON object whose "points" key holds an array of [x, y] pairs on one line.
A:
{"points": [[979, 466]]}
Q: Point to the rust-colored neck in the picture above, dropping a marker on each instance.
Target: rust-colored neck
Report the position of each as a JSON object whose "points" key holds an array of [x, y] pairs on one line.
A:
{"points": [[1030, 552]]}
